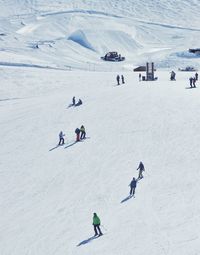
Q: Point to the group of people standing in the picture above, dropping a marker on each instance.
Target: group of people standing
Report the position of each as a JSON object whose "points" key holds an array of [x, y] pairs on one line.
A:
{"points": [[80, 134], [120, 79]]}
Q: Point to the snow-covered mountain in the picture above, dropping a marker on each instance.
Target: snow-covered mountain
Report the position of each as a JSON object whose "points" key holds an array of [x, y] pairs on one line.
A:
{"points": [[48, 194], [75, 34]]}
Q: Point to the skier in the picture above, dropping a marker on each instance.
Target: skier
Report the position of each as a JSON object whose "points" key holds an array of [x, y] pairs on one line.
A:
{"points": [[141, 169], [96, 224], [122, 77], [73, 101], [77, 131], [79, 102], [196, 76], [140, 76], [61, 139], [118, 79], [133, 186], [83, 133], [191, 81]]}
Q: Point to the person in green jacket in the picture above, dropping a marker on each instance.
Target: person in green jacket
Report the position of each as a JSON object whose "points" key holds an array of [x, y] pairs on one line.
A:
{"points": [[96, 224]]}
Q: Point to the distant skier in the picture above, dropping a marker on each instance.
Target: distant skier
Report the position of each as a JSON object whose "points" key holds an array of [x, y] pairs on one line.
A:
{"points": [[61, 138], [77, 131], [122, 77], [96, 224], [79, 102], [118, 79], [83, 133], [191, 81], [141, 169], [73, 101], [196, 76], [140, 76], [133, 186], [173, 76]]}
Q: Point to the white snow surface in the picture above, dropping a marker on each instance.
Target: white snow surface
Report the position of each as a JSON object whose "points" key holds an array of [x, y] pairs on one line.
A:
{"points": [[48, 194]]}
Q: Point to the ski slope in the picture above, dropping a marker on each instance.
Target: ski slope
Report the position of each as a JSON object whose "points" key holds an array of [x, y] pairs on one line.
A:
{"points": [[74, 35], [48, 195], [49, 52]]}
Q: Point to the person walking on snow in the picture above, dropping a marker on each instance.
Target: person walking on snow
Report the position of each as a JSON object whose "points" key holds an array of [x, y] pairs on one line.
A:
{"points": [[96, 223], [140, 76], [61, 138], [194, 82], [196, 76], [83, 133], [191, 81], [122, 77], [133, 186], [77, 131], [118, 79], [141, 169]]}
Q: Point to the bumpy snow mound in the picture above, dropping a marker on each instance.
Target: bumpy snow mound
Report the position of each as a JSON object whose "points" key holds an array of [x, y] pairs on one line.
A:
{"points": [[80, 38]]}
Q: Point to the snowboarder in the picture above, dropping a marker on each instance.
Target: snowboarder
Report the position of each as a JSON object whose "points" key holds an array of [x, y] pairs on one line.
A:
{"points": [[140, 76], [133, 186], [141, 169], [73, 101], [79, 102], [118, 79], [191, 81], [122, 77], [77, 131], [96, 224], [61, 138], [83, 133], [196, 76]]}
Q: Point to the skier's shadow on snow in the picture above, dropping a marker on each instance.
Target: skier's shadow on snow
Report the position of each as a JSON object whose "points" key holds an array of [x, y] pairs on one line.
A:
{"points": [[190, 87], [126, 199], [86, 241], [69, 145]]}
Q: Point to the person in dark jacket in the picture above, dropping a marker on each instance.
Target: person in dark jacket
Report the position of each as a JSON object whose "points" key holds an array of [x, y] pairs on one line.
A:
{"points": [[140, 76], [73, 101], [173, 75], [194, 82], [196, 76], [79, 102], [77, 131], [96, 223], [83, 133], [122, 77], [133, 186], [118, 79], [141, 169], [191, 81]]}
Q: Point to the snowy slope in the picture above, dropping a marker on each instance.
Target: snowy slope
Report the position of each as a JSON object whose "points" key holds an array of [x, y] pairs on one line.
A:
{"points": [[160, 31], [48, 195]]}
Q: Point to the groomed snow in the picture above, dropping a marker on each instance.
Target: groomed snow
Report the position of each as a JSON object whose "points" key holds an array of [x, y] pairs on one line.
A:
{"points": [[48, 195]]}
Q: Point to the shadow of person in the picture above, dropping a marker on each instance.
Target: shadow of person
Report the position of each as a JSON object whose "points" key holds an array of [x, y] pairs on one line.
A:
{"points": [[126, 199], [86, 241]]}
